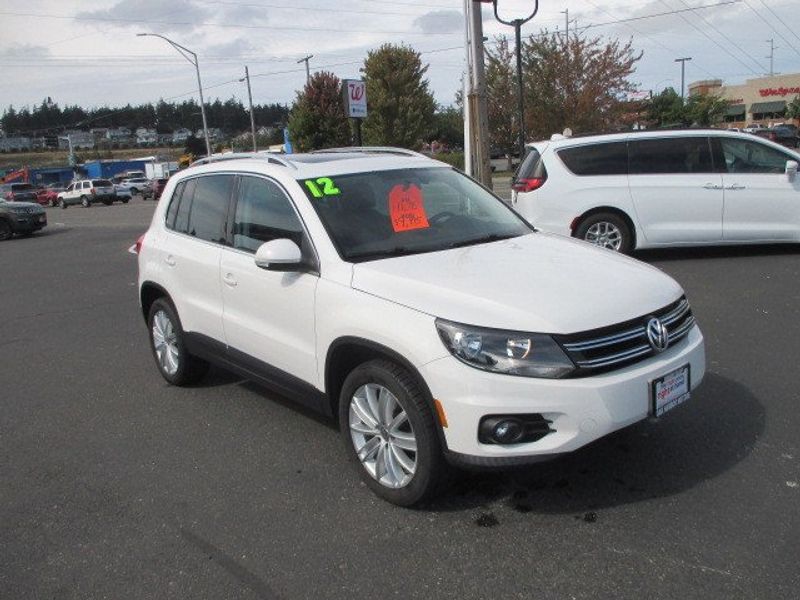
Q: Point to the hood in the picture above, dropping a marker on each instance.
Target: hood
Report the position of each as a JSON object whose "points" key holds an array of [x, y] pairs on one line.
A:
{"points": [[538, 282], [35, 205]]}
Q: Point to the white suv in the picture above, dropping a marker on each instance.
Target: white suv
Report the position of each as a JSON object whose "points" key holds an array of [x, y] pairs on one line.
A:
{"points": [[393, 292], [88, 191], [661, 188]]}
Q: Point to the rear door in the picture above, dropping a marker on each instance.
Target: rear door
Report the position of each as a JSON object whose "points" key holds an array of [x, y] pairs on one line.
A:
{"points": [[190, 252], [676, 193], [761, 203]]}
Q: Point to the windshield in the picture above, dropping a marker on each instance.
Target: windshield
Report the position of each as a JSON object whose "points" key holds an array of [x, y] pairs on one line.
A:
{"points": [[408, 211]]}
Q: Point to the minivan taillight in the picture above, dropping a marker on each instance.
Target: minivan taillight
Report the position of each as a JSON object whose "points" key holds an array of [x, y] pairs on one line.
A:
{"points": [[528, 185]]}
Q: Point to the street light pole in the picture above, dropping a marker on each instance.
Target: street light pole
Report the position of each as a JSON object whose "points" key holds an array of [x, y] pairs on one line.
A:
{"points": [[517, 25], [683, 73], [192, 58]]}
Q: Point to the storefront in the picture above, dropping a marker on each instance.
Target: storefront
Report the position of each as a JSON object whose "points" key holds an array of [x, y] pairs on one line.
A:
{"points": [[760, 101]]}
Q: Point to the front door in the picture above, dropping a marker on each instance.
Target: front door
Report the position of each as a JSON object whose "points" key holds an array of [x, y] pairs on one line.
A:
{"points": [[676, 193], [268, 315], [761, 203]]}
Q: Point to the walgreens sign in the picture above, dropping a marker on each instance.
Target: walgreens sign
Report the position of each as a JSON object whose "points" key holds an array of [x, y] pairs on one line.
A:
{"points": [[780, 91]]}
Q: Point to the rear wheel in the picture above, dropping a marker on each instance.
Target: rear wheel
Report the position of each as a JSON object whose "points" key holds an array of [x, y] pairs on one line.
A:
{"points": [[167, 341], [389, 431], [108, 202], [606, 230], [5, 230], [124, 200], [134, 191], [85, 202], [51, 203]]}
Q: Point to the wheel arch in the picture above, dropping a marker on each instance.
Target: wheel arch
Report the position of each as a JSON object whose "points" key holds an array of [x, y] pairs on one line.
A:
{"points": [[576, 222], [149, 293], [347, 352]]}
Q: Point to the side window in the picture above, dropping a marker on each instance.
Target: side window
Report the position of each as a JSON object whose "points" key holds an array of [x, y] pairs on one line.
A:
{"points": [[263, 214], [597, 159], [688, 154], [184, 207], [172, 209], [85, 185], [209, 207], [744, 156]]}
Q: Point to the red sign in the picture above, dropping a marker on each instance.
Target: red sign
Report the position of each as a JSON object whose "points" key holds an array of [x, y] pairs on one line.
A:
{"points": [[406, 209], [781, 91]]}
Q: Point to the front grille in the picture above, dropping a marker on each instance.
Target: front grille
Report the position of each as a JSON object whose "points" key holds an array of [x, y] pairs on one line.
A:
{"points": [[613, 347]]}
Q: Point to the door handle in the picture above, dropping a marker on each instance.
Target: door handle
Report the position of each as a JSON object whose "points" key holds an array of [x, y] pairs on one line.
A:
{"points": [[735, 186], [170, 260], [712, 186], [230, 280]]}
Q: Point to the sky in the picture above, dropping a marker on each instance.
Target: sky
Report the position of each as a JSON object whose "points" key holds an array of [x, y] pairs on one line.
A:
{"points": [[87, 53]]}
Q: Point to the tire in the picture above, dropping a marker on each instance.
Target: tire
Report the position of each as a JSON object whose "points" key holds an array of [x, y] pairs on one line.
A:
{"points": [[5, 230], [134, 191], [124, 200], [391, 455], [51, 203], [62, 204], [108, 202], [607, 230], [175, 364], [85, 202]]}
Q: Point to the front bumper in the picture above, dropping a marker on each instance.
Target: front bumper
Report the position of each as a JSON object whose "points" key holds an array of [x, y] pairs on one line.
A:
{"points": [[581, 410], [28, 222]]}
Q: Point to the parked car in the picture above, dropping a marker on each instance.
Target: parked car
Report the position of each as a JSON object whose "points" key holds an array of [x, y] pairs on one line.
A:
{"points": [[785, 135], [395, 292], [661, 188], [48, 195], [157, 187], [123, 193], [18, 192], [19, 217], [137, 185], [88, 192]]}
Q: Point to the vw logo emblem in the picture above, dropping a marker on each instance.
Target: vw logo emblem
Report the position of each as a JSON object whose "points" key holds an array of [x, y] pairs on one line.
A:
{"points": [[657, 335]]}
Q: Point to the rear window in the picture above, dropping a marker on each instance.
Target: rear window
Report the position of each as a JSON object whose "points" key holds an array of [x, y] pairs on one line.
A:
{"points": [[21, 187], [597, 159], [102, 183], [684, 155], [530, 165]]}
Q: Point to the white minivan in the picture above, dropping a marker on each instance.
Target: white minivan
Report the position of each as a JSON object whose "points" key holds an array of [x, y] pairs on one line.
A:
{"points": [[394, 293], [661, 188]]}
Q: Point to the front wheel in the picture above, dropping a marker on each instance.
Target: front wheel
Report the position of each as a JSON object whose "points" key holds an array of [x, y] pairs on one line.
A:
{"points": [[389, 431], [606, 230], [62, 203], [167, 341], [5, 231]]}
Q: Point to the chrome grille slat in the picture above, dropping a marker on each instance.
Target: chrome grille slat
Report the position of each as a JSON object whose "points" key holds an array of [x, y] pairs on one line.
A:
{"points": [[613, 349]]}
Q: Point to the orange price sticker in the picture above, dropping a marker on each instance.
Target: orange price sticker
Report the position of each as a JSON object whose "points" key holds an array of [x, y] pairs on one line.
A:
{"points": [[406, 209]]}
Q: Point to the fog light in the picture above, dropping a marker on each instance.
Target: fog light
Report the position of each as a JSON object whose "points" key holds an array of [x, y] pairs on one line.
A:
{"points": [[507, 431], [513, 429]]}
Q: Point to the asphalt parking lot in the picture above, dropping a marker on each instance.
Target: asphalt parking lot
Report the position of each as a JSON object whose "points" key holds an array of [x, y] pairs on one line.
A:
{"points": [[115, 485]]}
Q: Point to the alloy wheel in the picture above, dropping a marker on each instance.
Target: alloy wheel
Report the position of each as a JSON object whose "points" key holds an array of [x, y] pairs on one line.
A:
{"points": [[604, 234], [382, 436], [165, 343]]}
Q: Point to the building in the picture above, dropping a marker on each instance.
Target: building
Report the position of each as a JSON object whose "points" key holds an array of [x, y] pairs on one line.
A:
{"points": [[77, 139], [106, 169], [146, 137], [179, 136], [119, 135], [761, 101], [15, 144]]}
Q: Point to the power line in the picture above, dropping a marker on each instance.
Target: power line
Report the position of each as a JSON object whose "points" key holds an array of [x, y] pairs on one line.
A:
{"points": [[778, 33], [310, 8], [780, 20]]}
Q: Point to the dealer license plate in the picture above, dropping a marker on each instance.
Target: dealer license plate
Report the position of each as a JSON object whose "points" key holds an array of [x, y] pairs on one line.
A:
{"points": [[670, 390]]}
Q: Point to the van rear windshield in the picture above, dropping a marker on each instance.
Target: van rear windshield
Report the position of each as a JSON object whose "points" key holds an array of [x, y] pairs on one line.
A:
{"points": [[21, 187], [102, 183], [527, 169]]}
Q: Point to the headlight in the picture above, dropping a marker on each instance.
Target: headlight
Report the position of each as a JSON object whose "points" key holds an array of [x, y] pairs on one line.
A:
{"points": [[509, 352]]}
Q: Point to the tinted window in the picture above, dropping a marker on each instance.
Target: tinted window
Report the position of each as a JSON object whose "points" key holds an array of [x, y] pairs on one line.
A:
{"points": [[102, 183], [597, 159], [670, 155], [21, 187], [85, 185], [209, 206], [526, 169], [752, 157], [184, 207], [263, 213], [172, 209]]}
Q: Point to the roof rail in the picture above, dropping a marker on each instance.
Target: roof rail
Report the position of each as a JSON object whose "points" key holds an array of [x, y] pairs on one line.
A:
{"points": [[262, 155], [371, 149]]}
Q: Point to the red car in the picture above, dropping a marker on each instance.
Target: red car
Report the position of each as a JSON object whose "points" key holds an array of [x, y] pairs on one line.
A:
{"points": [[157, 186], [48, 196]]}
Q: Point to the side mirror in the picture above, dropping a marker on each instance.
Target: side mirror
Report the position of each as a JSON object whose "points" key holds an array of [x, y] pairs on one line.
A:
{"points": [[791, 169], [279, 255]]}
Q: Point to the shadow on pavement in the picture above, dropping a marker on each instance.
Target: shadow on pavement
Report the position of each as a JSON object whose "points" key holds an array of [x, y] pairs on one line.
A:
{"points": [[698, 441], [715, 252]]}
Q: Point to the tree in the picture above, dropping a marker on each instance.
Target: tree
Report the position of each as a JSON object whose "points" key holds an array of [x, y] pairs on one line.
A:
{"points": [[578, 82], [317, 119], [195, 146], [447, 127], [793, 109], [666, 109], [400, 105], [705, 110], [501, 87]]}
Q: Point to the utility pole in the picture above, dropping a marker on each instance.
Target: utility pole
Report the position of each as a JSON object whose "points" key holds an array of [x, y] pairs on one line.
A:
{"points": [[771, 56], [517, 25], [305, 59], [683, 73], [566, 22], [479, 111], [252, 114]]}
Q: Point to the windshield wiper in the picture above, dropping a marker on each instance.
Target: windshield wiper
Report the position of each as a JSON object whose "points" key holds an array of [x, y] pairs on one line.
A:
{"points": [[492, 237], [385, 253]]}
